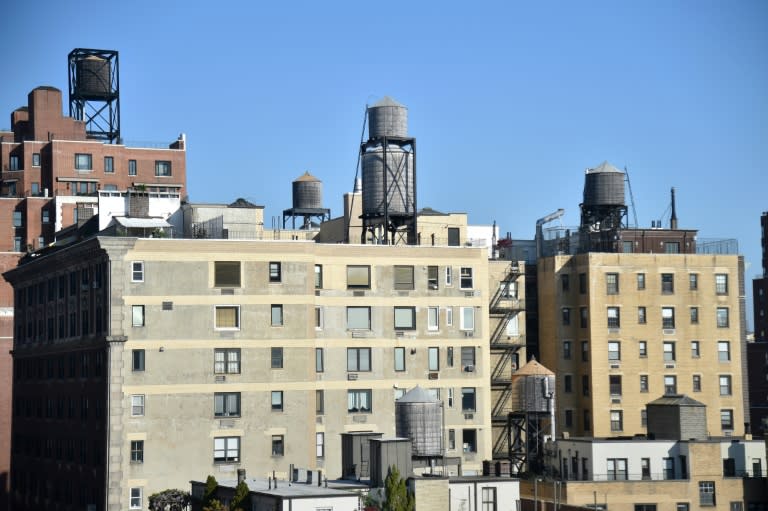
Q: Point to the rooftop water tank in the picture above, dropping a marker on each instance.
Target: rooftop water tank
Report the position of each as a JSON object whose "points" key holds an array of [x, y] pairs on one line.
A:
{"points": [[398, 196], [534, 388], [604, 186], [419, 416], [307, 192], [387, 118], [93, 77]]}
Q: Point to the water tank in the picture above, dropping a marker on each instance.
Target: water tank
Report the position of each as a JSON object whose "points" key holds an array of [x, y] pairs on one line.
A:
{"points": [[604, 186], [93, 77], [533, 386], [307, 192], [387, 118], [399, 192], [419, 417]]}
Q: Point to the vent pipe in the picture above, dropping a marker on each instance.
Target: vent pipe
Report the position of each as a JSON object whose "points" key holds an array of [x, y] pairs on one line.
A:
{"points": [[673, 218]]}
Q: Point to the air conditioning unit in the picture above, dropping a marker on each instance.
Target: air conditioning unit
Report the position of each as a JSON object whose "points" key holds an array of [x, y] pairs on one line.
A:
{"points": [[669, 331], [615, 400], [319, 419], [433, 376], [220, 378], [469, 368], [469, 416], [352, 376], [469, 334], [513, 366], [615, 366], [669, 366]]}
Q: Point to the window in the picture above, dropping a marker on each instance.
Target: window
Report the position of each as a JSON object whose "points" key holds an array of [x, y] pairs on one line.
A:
{"points": [[17, 244], [405, 318], [277, 400], [723, 351], [645, 468], [582, 283], [488, 498], [614, 384], [433, 315], [35, 189], [358, 318], [137, 315], [450, 397], [643, 383], [584, 351], [612, 283], [358, 277], [275, 272], [318, 318], [137, 271], [468, 401], [46, 216], [399, 359], [726, 419], [359, 401], [706, 493], [640, 281], [587, 420], [226, 361], [433, 362], [617, 469], [137, 451], [697, 383], [131, 167], [227, 317], [136, 498], [614, 350], [466, 278], [448, 276], [725, 385], [404, 277], [137, 405], [276, 358], [585, 385], [617, 420], [451, 439], [358, 359], [226, 274], [83, 161], [454, 237], [614, 318], [432, 277], [226, 404], [722, 317], [468, 358], [276, 314], [469, 440], [318, 276], [693, 281], [226, 449], [567, 383], [694, 315], [672, 247], [278, 445], [467, 319], [668, 318], [642, 348], [320, 402], [138, 360], [35, 159], [109, 164], [721, 284], [682, 506], [644, 507], [18, 220], [319, 360], [569, 418], [449, 316], [583, 317], [163, 168], [449, 356], [567, 350], [641, 315], [667, 283], [566, 312], [319, 445], [670, 384], [669, 468], [565, 282], [669, 352], [695, 351]]}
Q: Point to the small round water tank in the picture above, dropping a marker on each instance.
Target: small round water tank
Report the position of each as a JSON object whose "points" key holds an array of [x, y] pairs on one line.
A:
{"points": [[419, 416], [387, 118], [93, 77], [604, 186], [398, 173], [533, 386], [307, 192]]}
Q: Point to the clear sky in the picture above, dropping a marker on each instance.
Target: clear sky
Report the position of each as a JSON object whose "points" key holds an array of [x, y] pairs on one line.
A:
{"points": [[509, 101]]}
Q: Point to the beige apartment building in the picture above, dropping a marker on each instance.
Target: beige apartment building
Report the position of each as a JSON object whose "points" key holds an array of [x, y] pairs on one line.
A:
{"points": [[142, 363], [622, 329]]}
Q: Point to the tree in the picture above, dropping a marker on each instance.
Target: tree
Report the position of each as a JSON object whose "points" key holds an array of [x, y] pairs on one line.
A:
{"points": [[169, 500], [397, 497], [241, 495], [209, 494], [214, 505]]}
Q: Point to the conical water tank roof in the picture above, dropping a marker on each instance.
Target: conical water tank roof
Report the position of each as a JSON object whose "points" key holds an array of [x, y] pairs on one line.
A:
{"points": [[418, 395], [387, 118]]}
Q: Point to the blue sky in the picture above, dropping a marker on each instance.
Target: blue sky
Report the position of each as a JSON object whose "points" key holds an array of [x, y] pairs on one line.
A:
{"points": [[509, 101]]}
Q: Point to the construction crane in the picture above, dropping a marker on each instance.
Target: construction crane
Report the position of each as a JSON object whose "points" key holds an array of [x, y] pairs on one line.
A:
{"points": [[540, 232]]}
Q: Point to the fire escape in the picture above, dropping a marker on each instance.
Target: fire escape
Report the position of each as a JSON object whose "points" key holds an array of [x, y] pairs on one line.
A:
{"points": [[505, 347]]}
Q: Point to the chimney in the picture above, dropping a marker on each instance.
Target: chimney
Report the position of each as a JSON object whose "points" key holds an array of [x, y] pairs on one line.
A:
{"points": [[240, 475], [673, 219]]}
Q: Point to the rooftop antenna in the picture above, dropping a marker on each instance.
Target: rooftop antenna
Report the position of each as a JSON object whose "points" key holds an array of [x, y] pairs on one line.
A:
{"points": [[631, 196]]}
